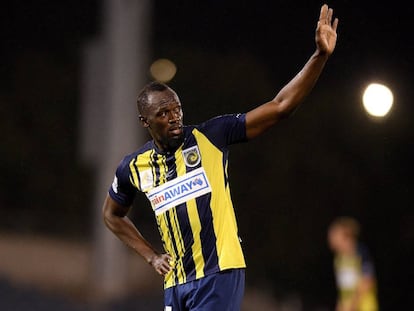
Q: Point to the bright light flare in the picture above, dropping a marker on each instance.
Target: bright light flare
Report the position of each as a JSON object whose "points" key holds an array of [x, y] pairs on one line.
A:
{"points": [[163, 70], [377, 100]]}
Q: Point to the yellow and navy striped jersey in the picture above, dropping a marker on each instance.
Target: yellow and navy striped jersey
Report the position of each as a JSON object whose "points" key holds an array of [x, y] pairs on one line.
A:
{"points": [[189, 192], [348, 271]]}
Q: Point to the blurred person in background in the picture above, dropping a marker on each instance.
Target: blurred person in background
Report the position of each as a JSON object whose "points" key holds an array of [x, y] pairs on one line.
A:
{"points": [[353, 266]]}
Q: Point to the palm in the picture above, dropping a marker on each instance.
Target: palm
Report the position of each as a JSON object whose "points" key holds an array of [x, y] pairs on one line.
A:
{"points": [[326, 31]]}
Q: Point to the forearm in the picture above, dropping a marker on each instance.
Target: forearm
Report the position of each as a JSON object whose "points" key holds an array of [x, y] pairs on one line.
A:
{"points": [[126, 231], [287, 100], [293, 93]]}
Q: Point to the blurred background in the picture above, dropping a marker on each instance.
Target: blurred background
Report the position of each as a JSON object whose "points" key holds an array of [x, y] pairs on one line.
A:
{"points": [[70, 72]]}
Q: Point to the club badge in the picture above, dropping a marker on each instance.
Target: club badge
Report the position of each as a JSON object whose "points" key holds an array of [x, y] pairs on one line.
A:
{"points": [[192, 156]]}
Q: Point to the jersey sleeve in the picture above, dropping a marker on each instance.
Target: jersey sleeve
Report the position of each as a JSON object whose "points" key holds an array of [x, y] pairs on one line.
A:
{"points": [[226, 129], [367, 265], [122, 190]]}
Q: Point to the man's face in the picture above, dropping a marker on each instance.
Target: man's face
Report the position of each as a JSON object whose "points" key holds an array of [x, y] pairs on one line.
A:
{"points": [[164, 119], [338, 239]]}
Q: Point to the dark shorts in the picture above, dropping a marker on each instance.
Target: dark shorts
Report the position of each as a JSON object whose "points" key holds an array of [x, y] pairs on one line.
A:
{"points": [[222, 291]]}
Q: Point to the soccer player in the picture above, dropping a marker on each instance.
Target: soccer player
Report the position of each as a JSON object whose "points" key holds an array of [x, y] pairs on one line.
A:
{"points": [[183, 172], [354, 269]]}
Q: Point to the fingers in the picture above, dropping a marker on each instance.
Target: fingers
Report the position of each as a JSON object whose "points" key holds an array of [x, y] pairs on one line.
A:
{"points": [[322, 15], [329, 16], [335, 24], [162, 264], [325, 17], [164, 268]]}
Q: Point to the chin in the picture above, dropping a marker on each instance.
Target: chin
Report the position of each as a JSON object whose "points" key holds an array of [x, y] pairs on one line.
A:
{"points": [[174, 142]]}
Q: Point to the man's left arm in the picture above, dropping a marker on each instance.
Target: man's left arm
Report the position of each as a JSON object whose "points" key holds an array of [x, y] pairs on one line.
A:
{"points": [[263, 117]]}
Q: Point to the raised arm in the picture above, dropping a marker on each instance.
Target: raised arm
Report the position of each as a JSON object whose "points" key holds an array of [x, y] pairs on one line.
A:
{"points": [[292, 94], [115, 218]]}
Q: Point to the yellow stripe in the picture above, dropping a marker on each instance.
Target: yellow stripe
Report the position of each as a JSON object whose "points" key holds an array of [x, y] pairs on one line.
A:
{"points": [[224, 220], [194, 221], [177, 271], [144, 162], [162, 165], [179, 243], [180, 169], [134, 173], [139, 164], [175, 233], [170, 277], [196, 229]]}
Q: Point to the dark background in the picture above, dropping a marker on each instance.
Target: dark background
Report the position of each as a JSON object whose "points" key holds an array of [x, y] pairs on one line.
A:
{"points": [[329, 159]]}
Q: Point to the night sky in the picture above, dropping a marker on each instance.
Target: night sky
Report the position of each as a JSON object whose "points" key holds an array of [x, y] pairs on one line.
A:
{"points": [[329, 159]]}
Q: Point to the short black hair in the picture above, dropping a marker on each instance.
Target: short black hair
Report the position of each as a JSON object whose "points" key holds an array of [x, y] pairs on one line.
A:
{"points": [[142, 99]]}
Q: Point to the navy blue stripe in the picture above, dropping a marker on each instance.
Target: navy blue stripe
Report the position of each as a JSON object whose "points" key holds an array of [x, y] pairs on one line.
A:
{"points": [[157, 169], [207, 234], [184, 225], [173, 241], [188, 240], [225, 157], [137, 171]]}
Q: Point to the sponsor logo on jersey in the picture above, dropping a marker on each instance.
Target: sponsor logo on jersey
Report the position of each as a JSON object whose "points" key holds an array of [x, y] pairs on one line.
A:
{"points": [[192, 156], [179, 190], [146, 180]]}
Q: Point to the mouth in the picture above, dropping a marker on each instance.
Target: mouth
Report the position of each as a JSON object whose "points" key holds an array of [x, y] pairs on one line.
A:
{"points": [[176, 130]]}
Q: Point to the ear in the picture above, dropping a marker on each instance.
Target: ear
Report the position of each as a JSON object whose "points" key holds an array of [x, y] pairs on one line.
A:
{"points": [[144, 121]]}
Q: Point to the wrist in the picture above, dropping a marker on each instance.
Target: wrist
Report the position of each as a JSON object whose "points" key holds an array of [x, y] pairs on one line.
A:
{"points": [[321, 54], [150, 257]]}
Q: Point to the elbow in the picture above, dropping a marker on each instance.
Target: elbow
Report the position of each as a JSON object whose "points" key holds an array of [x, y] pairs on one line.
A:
{"points": [[283, 109], [113, 215], [285, 114], [111, 221], [107, 216]]}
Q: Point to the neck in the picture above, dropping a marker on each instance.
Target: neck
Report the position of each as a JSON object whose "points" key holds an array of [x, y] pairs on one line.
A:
{"points": [[170, 145]]}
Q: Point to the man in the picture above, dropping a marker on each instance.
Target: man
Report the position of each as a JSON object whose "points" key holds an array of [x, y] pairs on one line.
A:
{"points": [[354, 269], [183, 172]]}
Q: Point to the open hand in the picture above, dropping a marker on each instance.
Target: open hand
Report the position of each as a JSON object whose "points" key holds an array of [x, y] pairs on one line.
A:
{"points": [[326, 31]]}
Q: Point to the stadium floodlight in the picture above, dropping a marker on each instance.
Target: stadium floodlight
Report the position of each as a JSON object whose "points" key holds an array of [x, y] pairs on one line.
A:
{"points": [[377, 100]]}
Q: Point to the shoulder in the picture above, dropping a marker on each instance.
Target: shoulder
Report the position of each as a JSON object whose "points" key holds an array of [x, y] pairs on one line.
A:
{"points": [[363, 251], [226, 119], [126, 160], [366, 260], [225, 129]]}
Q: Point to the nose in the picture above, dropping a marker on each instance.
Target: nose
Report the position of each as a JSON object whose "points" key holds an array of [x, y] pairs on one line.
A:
{"points": [[174, 117]]}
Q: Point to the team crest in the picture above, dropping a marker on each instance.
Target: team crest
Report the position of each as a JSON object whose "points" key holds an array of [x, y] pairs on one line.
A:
{"points": [[192, 156]]}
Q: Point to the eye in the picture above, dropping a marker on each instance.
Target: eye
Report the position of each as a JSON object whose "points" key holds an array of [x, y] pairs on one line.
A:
{"points": [[177, 110]]}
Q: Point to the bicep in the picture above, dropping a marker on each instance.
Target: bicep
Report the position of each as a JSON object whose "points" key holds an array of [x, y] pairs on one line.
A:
{"points": [[112, 208], [261, 118]]}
